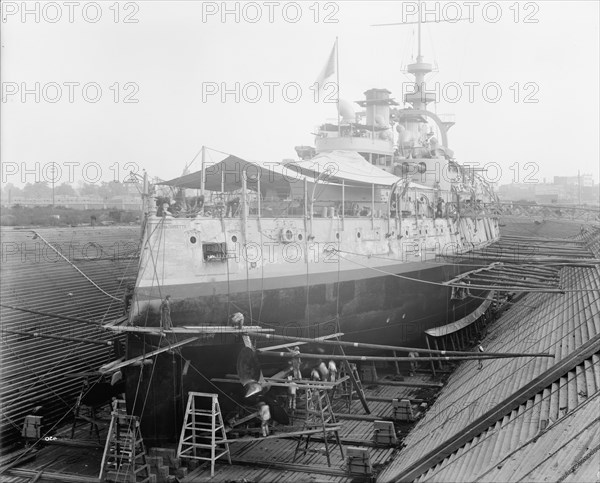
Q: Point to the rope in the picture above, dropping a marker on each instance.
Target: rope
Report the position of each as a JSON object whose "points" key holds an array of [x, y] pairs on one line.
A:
{"points": [[442, 284], [75, 267]]}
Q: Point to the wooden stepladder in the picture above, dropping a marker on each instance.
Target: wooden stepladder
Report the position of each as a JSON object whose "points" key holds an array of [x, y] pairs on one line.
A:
{"points": [[203, 431], [319, 413], [124, 458]]}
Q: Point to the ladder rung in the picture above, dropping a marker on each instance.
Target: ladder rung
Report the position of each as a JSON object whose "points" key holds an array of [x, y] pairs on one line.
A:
{"points": [[201, 445], [204, 458], [197, 428]]}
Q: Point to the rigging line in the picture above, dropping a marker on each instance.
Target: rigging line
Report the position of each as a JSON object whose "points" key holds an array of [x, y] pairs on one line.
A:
{"points": [[307, 304], [74, 266], [151, 376], [124, 272], [155, 277], [262, 270], [154, 263], [229, 303], [151, 252], [560, 291], [244, 207], [339, 268]]}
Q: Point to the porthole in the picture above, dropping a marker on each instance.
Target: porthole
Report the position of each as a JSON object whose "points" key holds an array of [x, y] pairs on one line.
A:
{"points": [[358, 235], [193, 239], [337, 235], [299, 237], [234, 239]]}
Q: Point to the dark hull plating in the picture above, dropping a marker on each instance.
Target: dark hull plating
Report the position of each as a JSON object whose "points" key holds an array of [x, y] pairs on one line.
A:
{"points": [[385, 310]]}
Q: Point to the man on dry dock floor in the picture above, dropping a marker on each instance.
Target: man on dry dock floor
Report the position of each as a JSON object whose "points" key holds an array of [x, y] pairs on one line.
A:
{"points": [[413, 364], [480, 349], [165, 313]]}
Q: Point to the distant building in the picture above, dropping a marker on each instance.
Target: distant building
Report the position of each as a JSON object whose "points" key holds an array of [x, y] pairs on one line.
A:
{"points": [[564, 190]]}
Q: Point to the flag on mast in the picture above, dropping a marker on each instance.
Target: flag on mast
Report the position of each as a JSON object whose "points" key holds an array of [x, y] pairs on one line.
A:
{"points": [[329, 69]]}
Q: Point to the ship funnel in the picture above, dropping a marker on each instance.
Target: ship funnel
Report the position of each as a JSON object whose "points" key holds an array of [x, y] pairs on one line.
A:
{"points": [[378, 107], [346, 111]]}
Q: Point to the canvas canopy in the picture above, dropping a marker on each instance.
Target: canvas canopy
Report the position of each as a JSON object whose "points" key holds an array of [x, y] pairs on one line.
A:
{"points": [[346, 166], [333, 168], [227, 174]]}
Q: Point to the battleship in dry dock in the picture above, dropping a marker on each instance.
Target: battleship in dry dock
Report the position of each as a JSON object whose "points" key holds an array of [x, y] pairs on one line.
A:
{"points": [[352, 238]]}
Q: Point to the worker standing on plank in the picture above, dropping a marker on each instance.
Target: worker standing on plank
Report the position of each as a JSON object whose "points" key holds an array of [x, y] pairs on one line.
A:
{"points": [[292, 387], [264, 414], [314, 374], [165, 313], [296, 362]]}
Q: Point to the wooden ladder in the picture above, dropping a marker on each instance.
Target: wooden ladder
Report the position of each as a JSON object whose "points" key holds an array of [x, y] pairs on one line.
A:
{"points": [[124, 458], [319, 413], [203, 430]]}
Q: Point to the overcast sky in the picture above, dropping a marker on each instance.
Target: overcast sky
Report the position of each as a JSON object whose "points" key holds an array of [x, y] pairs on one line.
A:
{"points": [[166, 55]]}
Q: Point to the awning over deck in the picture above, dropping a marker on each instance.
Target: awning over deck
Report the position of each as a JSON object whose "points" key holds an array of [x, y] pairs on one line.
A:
{"points": [[226, 175], [346, 166]]}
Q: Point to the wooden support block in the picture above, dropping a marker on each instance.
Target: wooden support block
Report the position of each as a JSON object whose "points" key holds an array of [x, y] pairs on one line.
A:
{"points": [[155, 461], [402, 410], [368, 373], [385, 433], [32, 426], [359, 460], [162, 473]]}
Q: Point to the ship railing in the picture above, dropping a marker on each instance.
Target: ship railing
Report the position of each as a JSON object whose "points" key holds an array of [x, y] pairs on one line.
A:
{"points": [[227, 205]]}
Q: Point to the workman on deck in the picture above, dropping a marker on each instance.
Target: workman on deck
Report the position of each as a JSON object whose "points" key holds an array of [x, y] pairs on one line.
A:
{"points": [[292, 388], [323, 371], [332, 371], [165, 313], [127, 298], [264, 413], [296, 362], [314, 374], [232, 206], [238, 320]]}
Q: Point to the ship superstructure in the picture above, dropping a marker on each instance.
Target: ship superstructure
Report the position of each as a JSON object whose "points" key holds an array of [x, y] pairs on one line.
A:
{"points": [[352, 236]]}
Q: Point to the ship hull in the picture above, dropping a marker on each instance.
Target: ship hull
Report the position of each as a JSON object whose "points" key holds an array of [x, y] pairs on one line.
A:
{"points": [[386, 310]]}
